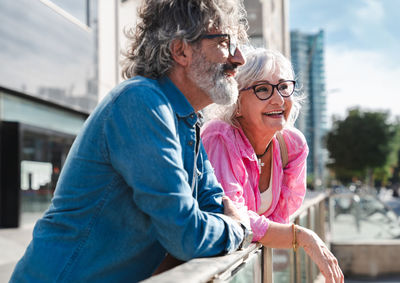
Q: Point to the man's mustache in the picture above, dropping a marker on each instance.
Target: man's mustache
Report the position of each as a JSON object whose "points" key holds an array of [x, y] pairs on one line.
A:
{"points": [[229, 67]]}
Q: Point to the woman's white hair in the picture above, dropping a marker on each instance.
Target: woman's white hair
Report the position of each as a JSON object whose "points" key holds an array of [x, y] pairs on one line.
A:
{"points": [[260, 63]]}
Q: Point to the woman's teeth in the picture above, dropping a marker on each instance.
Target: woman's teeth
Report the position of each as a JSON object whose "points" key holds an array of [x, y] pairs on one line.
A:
{"points": [[274, 113]]}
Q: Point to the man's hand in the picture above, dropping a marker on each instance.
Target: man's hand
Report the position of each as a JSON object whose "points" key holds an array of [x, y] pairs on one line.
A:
{"points": [[242, 218], [231, 211]]}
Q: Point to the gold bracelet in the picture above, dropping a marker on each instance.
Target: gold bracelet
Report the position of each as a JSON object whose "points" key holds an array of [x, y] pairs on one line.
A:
{"points": [[294, 243]]}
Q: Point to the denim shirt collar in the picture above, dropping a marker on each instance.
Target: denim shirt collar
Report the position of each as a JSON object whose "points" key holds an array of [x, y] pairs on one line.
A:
{"points": [[179, 102]]}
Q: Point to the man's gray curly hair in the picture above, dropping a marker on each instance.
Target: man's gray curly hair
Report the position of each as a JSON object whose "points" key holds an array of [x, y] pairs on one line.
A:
{"points": [[163, 21], [260, 63]]}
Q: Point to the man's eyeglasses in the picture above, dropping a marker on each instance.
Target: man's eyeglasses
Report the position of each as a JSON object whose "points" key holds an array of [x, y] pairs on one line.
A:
{"points": [[264, 90], [232, 44]]}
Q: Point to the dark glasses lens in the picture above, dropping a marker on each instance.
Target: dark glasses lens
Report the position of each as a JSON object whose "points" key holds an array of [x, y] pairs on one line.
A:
{"points": [[264, 91]]}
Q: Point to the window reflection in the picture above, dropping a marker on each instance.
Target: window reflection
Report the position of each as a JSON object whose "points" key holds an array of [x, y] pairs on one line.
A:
{"points": [[43, 154], [76, 8], [48, 56]]}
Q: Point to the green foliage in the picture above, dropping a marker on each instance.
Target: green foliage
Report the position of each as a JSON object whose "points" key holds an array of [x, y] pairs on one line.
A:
{"points": [[395, 178], [394, 165], [359, 143]]}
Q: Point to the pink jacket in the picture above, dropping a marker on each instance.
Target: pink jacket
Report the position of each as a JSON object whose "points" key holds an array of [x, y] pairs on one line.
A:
{"points": [[235, 165]]}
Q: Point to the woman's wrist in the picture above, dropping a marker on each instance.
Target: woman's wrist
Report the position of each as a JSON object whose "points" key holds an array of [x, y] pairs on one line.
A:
{"points": [[295, 244], [301, 236]]}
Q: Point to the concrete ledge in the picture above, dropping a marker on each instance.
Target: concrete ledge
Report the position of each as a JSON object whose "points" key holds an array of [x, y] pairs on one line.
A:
{"points": [[368, 258]]}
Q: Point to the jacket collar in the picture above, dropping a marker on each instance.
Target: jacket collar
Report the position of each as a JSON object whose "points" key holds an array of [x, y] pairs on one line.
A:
{"points": [[178, 100]]}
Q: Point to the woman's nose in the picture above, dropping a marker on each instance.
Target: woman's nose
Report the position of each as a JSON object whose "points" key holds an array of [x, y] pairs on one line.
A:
{"points": [[276, 97]]}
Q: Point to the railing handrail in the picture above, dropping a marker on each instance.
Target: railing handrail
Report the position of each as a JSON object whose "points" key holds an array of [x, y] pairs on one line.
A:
{"points": [[309, 202], [202, 270]]}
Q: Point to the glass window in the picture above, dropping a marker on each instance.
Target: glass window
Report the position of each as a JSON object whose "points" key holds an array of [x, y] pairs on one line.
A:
{"points": [[49, 53], [43, 154], [17, 109], [77, 8]]}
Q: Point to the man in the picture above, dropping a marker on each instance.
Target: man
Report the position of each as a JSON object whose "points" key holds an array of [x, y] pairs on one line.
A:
{"points": [[137, 183]]}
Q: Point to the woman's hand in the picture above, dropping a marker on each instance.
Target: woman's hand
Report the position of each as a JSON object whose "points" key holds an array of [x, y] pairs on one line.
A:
{"points": [[280, 236], [320, 254]]}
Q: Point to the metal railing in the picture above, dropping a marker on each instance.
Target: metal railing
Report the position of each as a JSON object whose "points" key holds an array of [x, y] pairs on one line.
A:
{"points": [[256, 263]]}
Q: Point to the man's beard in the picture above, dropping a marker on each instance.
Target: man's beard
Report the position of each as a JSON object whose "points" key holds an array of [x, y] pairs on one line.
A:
{"points": [[210, 78]]}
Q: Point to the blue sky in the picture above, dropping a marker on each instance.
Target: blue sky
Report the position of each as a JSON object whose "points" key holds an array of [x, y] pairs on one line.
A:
{"points": [[362, 51]]}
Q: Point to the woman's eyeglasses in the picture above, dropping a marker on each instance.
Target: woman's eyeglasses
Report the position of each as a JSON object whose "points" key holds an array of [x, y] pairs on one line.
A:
{"points": [[264, 90]]}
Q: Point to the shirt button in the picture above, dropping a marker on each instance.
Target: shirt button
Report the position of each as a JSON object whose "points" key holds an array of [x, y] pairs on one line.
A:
{"points": [[190, 143], [192, 116]]}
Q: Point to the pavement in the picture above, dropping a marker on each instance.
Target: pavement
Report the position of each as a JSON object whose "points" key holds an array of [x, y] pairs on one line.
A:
{"points": [[395, 279], [13, 243]]}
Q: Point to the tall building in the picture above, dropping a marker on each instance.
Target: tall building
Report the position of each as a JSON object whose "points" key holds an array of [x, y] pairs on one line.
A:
{"points": [[307, 55], [48, 87]]}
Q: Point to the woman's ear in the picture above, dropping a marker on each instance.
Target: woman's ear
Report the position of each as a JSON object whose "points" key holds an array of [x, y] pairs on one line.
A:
{"points": [[238, 112], [181, 52]]}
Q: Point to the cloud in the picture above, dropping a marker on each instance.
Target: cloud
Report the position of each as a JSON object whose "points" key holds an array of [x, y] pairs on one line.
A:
{"points": [[360, 79], [371, 10], [368, 19], [362, 43]]}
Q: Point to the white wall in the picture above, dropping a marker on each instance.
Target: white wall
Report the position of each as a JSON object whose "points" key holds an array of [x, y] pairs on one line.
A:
{"points": [[127, 20], [107, 46], [114, 16], [275, 23]]}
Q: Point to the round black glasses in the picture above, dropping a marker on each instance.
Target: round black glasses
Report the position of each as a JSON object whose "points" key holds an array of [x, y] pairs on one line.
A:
{"points": [[232, 44], [264, 90]]}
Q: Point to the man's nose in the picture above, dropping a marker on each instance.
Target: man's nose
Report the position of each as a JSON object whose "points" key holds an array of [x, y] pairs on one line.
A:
{"points": [[237, 58]]}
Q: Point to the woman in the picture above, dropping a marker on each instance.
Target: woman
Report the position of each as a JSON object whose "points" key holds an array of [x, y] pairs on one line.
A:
{"points": [[243, 148]]}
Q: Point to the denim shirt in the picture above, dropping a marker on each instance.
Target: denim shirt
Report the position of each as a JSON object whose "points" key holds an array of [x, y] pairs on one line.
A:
{"points": [[132, 189]]}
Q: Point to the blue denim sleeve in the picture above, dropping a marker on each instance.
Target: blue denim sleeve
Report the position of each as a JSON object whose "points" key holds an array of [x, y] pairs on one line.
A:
{"points": [[144, 147]]}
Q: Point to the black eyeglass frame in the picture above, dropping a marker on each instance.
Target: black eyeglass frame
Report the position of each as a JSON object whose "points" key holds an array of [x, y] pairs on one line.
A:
{"points": [[273, 87], [232, 44]]}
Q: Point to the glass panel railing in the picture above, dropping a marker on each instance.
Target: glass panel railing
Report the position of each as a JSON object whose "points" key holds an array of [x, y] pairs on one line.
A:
{"points": [[257, 264], [250, 271], [283, 261]]}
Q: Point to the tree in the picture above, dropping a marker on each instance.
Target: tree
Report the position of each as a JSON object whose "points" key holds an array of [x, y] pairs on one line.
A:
{"points": [[394, 164], [359, 144]]}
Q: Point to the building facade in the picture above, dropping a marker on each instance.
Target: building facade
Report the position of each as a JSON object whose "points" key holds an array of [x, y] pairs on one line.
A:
{"points": [[307, 55], [48, 87], [115, 17], [268, 24]]}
